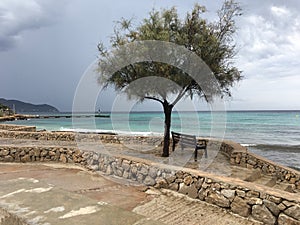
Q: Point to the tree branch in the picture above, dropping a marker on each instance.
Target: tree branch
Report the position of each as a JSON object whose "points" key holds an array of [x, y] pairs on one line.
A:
{"points": [[181, 94], [155, 99]]}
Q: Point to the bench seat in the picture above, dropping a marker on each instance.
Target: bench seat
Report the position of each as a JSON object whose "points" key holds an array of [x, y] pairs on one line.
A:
{"points": [[187, 140]]}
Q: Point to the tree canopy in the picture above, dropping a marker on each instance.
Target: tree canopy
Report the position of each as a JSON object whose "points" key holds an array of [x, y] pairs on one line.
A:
{"points": [[212, 41]]}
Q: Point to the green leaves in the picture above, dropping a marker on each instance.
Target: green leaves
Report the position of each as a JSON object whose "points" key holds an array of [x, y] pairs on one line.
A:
{"points": [[212, 41]]}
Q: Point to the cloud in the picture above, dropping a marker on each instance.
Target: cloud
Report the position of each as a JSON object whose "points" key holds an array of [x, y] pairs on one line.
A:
{"points": [[17, 16], [269, 42]]}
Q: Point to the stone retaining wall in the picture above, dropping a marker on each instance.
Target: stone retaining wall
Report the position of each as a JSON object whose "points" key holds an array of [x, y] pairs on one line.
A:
{"points": [[237, 154], [282, 173], [21, 133], [246, 199], [10, 127]]}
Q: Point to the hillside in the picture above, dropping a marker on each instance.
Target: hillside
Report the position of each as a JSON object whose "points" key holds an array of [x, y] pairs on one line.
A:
{"points": [[21, 107]]}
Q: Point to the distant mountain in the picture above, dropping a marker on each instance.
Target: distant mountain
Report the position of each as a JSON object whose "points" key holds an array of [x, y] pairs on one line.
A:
{"points": [[20, 106]]}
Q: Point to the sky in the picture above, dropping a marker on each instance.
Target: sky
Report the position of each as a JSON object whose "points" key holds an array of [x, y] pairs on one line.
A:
{"points": [[47, 45]]}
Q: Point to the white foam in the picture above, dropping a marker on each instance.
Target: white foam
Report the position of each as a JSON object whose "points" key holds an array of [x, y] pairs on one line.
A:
{"points": [[248, 145], [120, 132]]}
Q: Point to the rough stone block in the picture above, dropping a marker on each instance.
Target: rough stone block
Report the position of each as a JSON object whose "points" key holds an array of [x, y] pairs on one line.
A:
{"points": [[293, 211], [254, 201], [161, 183], [149, 181], [173, 186], [230, 194], [218, 199], [188, 180], [240, 206], [272, 207], [261, 213], [252, 194], [286, 220]]}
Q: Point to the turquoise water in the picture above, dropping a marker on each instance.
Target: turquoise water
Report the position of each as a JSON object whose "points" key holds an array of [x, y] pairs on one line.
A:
{"points": [[272, 134]]}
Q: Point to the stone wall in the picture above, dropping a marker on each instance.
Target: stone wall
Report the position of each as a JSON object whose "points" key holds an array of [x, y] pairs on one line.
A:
{"points": [[246, 199], [25, 132], [282, 173], [237, 154], [10, 127]]}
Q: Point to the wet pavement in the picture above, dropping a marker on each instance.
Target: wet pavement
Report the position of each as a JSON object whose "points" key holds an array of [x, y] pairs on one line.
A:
{"points": [[57, 194]]}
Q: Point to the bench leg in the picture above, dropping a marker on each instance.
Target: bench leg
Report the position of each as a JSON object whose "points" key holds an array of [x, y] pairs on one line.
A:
{"points": [[196, 154], [205, 152]]}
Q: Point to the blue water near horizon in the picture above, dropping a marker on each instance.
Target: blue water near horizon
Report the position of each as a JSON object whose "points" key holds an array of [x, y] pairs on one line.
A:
{"points": [[271, 134]]}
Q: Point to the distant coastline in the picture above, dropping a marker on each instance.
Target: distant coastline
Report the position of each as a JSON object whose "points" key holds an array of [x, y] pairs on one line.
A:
{"points": [[23, 107]]}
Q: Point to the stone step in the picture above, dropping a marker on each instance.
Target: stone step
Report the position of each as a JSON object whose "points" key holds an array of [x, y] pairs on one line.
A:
{"points": [[240, 172], [177, 209], [268, 181], [253, 176]]}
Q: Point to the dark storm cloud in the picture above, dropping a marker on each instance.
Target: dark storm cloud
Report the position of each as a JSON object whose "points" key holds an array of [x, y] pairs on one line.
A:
{"points": [[18, 16]]}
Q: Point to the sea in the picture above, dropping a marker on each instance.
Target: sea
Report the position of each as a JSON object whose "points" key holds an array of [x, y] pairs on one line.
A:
{"points": [[272, 134]]}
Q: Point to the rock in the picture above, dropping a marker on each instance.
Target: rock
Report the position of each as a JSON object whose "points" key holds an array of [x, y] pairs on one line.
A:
{"points": [[274, 199], [120, 172], [254, 201], [288, 204], [294, 212], [94, 167], [199, 183], [161, 183], [230, 194], [281, 207], [5, 152], [149, 181], [218, 199], [188, 180], [126, 175], [26, 158], [192, 191], [8, 158], [286, 220], [140, 178], [252, 194], [240, 206], [272, 207], [174, 187], [261, 213], [63, 158], [126, 165], [109, 170], [144, 171], [153, 172], [240, 193], [171, 179]]}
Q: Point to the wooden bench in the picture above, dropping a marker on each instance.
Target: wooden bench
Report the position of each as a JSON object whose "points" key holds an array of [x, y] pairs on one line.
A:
{"points": [[186, 140]]}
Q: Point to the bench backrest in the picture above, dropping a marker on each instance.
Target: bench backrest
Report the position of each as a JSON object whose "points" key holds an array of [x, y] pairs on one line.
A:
{"points": [[184, 139]]}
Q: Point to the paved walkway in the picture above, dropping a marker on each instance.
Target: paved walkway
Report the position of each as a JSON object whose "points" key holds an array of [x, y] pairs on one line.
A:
{"points": [[62, 194]]}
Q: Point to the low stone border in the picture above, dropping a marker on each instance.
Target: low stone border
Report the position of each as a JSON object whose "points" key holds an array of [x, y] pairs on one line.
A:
{"points": [[11, 127]]}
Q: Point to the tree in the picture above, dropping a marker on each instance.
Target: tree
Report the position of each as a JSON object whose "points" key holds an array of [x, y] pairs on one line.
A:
{"points": [[212, 41]]}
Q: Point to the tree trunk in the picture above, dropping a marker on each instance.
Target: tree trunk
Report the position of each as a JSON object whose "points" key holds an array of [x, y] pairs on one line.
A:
{"points": [[167, 111]]}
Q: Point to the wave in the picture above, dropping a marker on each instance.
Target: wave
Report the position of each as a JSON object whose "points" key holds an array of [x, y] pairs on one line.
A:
{"points": [[275, 147], [119, 132], [248, 145]]}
